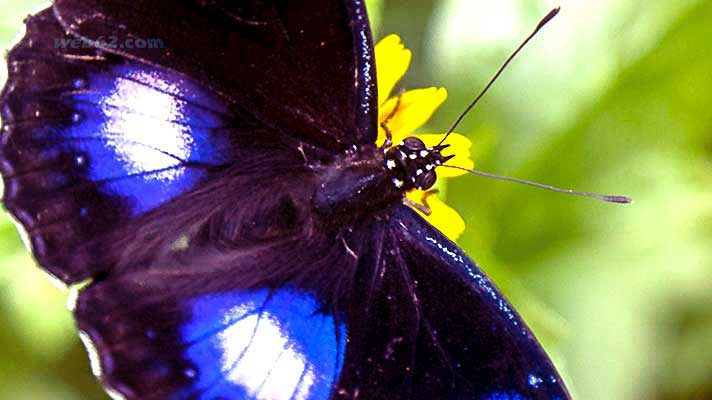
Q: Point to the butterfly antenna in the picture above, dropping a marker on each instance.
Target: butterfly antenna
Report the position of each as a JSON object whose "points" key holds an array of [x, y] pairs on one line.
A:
{"points": [[542, 23], [602, 197]]}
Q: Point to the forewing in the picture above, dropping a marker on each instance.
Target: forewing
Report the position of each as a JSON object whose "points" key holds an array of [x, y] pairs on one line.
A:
{"points": [[91, 141], [97, 133], [304, 66]]}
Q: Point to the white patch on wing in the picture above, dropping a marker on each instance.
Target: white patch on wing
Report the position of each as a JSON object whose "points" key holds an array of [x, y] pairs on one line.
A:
{"points": [[258, 356], [146, 116]]}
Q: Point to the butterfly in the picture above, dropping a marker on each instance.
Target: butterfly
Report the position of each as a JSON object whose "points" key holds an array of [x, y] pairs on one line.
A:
{"points": [[237, 231]]}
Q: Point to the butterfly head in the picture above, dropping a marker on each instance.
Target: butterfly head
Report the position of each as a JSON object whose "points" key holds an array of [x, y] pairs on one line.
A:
{"points": [[411, 164]]}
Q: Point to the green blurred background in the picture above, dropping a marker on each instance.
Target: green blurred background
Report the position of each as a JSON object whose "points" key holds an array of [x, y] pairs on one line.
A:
{"points": [[614, 96]]}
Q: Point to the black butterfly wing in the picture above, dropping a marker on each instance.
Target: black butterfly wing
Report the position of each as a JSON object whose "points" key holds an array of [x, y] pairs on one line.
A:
{"points": [[393, 310], [96, 138], [428, 324], [255, 318], [91, 142], [199, 335], [304, 64]]}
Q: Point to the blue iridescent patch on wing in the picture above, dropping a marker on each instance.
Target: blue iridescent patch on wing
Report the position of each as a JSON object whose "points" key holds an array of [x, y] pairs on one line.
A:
{"points": [[510, 395], [262, 345], [141, 134]]}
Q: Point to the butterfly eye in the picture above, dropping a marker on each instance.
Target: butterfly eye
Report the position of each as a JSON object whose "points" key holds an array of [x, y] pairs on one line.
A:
{"points": [[413, 143], [396, 158], [426, 180]]}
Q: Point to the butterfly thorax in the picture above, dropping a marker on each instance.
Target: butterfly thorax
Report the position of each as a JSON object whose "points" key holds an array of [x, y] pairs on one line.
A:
{"points": [[370, 179]]}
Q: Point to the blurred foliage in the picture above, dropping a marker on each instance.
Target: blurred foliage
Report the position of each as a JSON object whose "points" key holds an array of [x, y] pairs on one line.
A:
{"points": [[613, 96]]}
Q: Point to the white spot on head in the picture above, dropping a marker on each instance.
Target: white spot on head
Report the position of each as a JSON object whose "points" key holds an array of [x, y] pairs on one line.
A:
{"points": [[429, 167], [418, 172], [412, 156], [390, 164], [398, 183], [423, 153], [438, 162]]}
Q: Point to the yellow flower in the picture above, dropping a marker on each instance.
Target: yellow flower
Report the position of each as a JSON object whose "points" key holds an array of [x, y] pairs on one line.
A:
{"points": [[415, 109]]}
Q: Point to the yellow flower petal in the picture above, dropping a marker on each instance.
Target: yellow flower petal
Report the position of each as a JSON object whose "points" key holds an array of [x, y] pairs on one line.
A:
{"points": [[442, 217], [392, 61], [459, 146], [415, 109]]}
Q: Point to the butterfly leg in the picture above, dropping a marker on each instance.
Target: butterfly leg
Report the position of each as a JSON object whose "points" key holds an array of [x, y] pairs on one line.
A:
{"points": [[425, 207], [389, 135], [349, 249], [304, 155]]}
